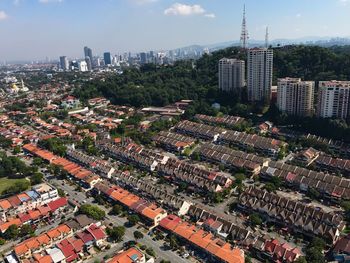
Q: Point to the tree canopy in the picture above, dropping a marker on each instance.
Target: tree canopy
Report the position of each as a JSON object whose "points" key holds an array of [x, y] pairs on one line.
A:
{"points": [[92, 211]]}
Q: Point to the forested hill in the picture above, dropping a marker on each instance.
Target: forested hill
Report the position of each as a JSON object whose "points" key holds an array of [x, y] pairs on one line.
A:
{"points": [[159, 86]]}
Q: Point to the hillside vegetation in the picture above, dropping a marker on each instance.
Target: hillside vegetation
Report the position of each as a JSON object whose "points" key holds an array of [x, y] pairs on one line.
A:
{"points": [[159, 86], [198, 81]]}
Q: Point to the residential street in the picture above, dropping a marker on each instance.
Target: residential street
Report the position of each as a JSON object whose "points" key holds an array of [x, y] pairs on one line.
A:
{"points": [[81, 198]]}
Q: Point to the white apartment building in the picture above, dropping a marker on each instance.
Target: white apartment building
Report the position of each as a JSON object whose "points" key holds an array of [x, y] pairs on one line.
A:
{"points": [[231, 74], [259, 76], [334, 99], [83, 66], [295, 97]]}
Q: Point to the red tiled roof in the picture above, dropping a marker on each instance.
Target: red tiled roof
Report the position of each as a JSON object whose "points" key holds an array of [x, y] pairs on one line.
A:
{"points": [[54, 205]]}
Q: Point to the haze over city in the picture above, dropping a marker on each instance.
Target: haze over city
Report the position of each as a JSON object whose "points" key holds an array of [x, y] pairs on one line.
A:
{"points": [[35, 29]]}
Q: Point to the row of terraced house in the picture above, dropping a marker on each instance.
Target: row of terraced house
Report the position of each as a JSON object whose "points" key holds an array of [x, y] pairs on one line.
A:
{"points": [[179, 170], [73, 241], [294, 215], [267, 146]]}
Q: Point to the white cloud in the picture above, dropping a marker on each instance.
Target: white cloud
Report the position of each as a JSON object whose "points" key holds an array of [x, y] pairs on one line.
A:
{"points": [[211, 15], [178, 9], [344, 2], [298, 15], [3, 15], [50, 1]]}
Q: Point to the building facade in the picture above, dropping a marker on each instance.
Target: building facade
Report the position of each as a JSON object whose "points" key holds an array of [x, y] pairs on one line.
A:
{"points": [[143, 58], [64, 63], [334, 99], [259, 77], [231, 74], [295, 97], [107, 58]]}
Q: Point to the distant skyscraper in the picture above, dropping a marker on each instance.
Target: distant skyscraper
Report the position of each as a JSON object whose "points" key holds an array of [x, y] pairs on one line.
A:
{"points": [[259, 79], [151, 57], [296, 97], [88, 53], [107, 58], [334, 99], [98, 62], [171, 54], [64, 64], [88, 63], [267, 37], [231, 74], [143, 58], [82, 66], [244, 32]]}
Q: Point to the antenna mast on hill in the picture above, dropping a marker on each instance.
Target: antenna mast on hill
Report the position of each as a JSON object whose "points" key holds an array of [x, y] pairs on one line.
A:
{"points": [[244, 33], [267, 37]]}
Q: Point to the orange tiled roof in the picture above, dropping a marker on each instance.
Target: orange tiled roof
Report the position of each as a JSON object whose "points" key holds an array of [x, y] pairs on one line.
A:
{"points": [[32, 243], [53, 233], [63, 229], [152, 211], [34, 214], [185, 230], [23, 196], [129, 200], [45, 259], [201, 238], [119, 194], [230, 255], [5, 204], [14, 221], [21, 249], [43, 239], [126, 257]]}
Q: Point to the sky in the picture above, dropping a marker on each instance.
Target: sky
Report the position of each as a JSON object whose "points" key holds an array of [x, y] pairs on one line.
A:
{"points": [[36, 29]]}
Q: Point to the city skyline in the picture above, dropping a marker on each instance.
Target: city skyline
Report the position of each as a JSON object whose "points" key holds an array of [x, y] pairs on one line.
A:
{"points": [[36, 29]]}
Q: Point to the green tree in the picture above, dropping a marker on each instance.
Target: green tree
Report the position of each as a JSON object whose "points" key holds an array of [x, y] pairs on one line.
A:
{"points": [[37, 161], [314, 251], [117, 209], [92, 211], [16, 150], [173, 242], [12, 232], [150, 252], [37, 178], [116, 233], [60, 192], [17, 187], [255, 219], [26, 230], [133, 219], [54, 145], [300, 260], [138, 235]]}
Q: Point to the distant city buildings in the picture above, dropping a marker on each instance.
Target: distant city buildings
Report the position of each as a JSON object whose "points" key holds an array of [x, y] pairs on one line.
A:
{"points": [[88, 53], [143, 58], [83, 66], [107, 58], [64, 63], [259, 77], [231, 74], [295, 97], [88, 63], [334, 99]]}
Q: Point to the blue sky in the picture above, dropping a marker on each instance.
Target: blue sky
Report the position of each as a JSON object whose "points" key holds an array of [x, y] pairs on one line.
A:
{"points": [[35, 29]]}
